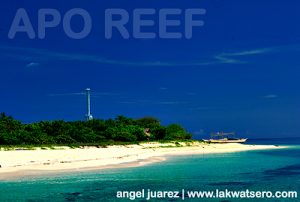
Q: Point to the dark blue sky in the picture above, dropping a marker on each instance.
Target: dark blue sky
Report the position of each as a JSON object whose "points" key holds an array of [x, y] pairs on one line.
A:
{"points": [[240, 72]]}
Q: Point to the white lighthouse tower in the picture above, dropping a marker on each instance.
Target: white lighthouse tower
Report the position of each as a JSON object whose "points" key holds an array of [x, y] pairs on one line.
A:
{"points": [[88, 115]]}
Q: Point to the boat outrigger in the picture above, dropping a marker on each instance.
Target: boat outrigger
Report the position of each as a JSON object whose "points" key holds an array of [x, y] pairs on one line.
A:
{"points": [[221, 137]]}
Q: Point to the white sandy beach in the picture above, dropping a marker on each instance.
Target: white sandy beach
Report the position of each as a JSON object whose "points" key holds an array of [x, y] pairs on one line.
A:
{"points": [[21, 162]]}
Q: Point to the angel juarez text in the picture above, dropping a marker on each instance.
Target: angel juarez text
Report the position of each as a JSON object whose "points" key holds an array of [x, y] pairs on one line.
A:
{"points": [[148, 194]]}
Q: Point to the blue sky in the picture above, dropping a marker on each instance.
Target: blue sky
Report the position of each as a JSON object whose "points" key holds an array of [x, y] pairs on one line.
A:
{"points": [[240, 72]]}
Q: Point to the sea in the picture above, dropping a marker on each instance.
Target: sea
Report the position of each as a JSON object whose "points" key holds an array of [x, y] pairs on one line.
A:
{"points": [[268, 171]]}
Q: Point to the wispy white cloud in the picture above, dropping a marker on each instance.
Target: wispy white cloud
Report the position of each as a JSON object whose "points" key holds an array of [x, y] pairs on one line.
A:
{"points": [[153, 102], [65, 94], [199, 132], [250, 52], [230, 58], [204, 108], [163, 88], [40, 55], [270, 96], [33, 64], [191, 93], [226, 60], [170, 103], [94, 94]]}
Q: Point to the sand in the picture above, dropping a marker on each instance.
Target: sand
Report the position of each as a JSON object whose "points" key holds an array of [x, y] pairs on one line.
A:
{"points": [[18, 163]]}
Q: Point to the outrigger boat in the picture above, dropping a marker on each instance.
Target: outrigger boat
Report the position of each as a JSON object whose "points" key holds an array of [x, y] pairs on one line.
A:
{"points": [[221, 137]]}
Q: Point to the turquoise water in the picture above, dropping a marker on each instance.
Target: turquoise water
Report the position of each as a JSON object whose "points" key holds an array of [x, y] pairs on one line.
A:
{"points": [[273, 170]]}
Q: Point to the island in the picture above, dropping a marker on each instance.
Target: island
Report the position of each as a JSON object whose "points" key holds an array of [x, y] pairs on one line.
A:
{"points": [[60, 146]]}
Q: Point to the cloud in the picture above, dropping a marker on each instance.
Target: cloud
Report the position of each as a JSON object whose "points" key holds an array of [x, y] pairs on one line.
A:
{"points": [[251, 52], [228, 58], [93, 94], [191, 93], [65, 94], [199, 132], [204, 108], [271, 96], [170, 103], [153, 102], [33, 64], [40, 55]]}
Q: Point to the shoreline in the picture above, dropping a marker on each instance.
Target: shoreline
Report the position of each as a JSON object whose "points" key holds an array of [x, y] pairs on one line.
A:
{"points": [[25, 163]]}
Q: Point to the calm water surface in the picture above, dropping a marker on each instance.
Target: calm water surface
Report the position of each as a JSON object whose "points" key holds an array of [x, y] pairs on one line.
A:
{"points": [[273, 170]]}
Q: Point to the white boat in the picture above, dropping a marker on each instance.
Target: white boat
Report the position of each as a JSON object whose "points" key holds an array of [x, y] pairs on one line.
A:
{"points": [[226, 140], [221, 137]]}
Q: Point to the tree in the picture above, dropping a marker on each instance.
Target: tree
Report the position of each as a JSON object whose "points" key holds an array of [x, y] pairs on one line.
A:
{"points": [[158, 133], [148, 122], [121, 134], [175, 132], [13, 132], [122, 120], [2, 116]]}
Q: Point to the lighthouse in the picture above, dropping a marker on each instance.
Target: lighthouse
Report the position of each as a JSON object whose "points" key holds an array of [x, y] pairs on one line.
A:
{"points": [[88, 115]]}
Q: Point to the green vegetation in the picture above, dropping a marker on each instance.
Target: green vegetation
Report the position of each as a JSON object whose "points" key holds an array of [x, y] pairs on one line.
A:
{"points": [[121, 130]]}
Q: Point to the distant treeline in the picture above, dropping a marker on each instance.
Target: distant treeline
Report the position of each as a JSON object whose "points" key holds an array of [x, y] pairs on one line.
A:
{"points": [[121, 129]]}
